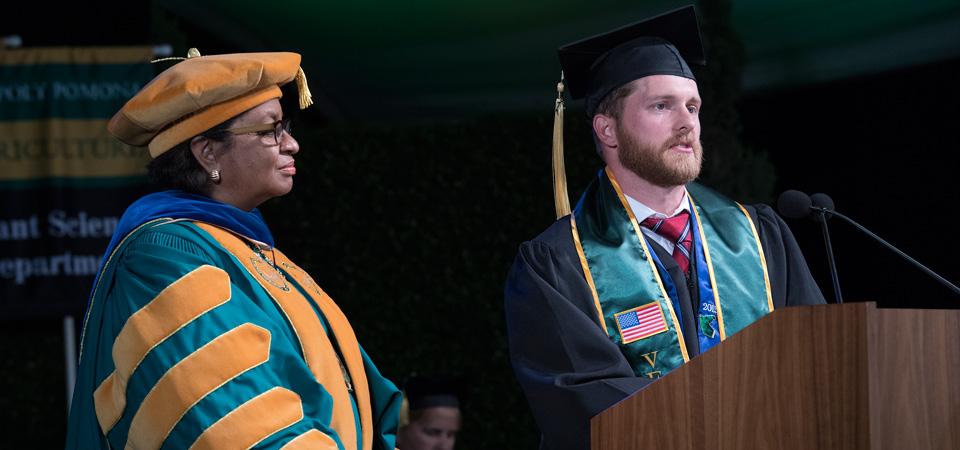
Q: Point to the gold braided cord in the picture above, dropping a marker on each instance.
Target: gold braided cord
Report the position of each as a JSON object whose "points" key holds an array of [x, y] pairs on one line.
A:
{"points": [[169, 58], [191, 53]]}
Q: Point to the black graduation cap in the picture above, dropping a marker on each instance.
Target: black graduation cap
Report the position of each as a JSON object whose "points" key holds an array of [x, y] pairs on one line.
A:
{"points": [[426, 392], [595, 66]]}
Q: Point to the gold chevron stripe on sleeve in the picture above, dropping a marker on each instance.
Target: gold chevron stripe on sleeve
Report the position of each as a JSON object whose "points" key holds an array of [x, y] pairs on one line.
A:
{"points": [[253, 421], [203, 371], [197, 292], [311, 440]]}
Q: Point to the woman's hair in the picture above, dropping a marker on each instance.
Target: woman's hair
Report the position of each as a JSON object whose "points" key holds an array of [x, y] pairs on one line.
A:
{"points": [[177, 168]]}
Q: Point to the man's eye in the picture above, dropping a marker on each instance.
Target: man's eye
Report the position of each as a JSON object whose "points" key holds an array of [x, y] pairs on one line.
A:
{"points": [[693, 109], [660, 106]]}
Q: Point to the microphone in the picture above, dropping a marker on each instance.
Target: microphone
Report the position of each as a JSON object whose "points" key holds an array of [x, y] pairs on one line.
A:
{"points": [[824, 203], [797, 205], [794, 204], [822, 207]]}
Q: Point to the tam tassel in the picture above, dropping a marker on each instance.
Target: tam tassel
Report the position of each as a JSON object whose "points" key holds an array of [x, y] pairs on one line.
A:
{"points": [[561, 200], [306, 99], [404, 410]]}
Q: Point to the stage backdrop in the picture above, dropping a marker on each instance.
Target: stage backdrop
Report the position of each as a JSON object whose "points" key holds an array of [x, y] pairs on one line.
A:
{"points": [[64, 181]]}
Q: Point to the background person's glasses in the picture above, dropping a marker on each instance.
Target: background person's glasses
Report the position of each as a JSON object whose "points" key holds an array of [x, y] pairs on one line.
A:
{"points": [[275, 130]]}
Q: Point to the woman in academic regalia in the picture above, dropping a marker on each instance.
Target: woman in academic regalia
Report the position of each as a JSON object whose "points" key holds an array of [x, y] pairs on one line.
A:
{"points": [[199, 333]]}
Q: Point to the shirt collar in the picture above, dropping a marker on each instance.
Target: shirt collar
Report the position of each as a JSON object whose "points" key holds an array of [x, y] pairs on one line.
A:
{"points": [[641, 211]]}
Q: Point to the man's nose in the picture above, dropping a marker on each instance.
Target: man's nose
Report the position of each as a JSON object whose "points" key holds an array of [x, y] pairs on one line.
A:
{"points": [[686, 121]]}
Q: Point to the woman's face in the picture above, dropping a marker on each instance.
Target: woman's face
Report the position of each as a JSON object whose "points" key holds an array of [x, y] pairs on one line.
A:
{"points": [[254, 167]]}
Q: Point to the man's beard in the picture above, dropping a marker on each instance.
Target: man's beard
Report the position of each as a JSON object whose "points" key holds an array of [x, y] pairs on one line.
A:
{"points": [[657, 163]]}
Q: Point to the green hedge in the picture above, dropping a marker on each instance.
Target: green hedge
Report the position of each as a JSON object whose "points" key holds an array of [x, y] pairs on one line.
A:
{"points": [[412, 231]]}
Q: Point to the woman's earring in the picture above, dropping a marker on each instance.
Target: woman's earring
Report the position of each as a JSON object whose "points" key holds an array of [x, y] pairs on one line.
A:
{"points": [[215, 176]]}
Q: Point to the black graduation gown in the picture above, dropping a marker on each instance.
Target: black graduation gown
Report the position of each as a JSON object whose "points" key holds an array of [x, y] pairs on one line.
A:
{"points": [[566, 364]]}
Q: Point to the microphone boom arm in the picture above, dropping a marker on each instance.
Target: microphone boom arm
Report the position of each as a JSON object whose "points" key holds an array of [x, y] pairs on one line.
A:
{"points": [[933, 274]]}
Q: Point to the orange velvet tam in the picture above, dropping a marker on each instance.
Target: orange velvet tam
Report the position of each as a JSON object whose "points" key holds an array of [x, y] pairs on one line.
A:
{"points": [[202, 92]]}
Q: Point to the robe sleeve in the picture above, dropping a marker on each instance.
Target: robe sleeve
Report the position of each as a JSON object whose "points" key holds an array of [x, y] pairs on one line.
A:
{"points": [[195, 358], [568, 367], [790, 278], [385, 400]]}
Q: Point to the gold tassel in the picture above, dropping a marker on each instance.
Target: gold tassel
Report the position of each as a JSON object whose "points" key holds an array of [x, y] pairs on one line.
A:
{"points": [[306, 99], [404, 410], [560, 199]]}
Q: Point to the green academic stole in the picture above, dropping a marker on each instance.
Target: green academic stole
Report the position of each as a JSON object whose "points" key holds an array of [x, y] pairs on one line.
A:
{"points": [[631, 298]]}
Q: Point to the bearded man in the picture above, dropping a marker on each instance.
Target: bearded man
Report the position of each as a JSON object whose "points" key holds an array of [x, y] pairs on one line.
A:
{"points": [[650, 269]]}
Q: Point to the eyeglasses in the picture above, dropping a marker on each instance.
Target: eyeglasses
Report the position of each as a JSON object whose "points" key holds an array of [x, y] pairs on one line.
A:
{"points": [[275, 130]]}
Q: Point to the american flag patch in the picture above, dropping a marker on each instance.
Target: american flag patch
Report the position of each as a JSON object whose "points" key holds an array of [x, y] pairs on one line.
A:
{"points": [[642, 322]]}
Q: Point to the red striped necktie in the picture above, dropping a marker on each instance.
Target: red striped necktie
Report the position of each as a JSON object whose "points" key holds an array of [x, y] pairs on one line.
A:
{"points": [[677, 230]]}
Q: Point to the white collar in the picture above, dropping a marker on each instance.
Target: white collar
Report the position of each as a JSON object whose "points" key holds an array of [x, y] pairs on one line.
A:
{"points": [[641, 211]]}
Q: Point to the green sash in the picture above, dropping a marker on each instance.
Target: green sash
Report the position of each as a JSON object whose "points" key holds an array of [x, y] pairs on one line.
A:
{"points": [[625, 280]]}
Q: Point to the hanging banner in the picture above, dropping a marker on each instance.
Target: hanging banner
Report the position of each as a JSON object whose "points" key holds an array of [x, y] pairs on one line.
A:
{"points": [[64, 181]]}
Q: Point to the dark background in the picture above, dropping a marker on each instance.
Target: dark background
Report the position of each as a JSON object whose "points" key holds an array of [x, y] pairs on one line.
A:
{"points": [[410, 214]]}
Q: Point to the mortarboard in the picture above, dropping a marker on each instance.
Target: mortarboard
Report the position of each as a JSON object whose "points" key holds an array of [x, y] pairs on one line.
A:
{"points": [[596, 66], [662, 45], [421, 392], [201, 92]]}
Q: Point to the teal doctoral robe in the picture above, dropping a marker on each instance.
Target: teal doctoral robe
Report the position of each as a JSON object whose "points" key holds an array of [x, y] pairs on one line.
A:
{"points": [[197, 337]]}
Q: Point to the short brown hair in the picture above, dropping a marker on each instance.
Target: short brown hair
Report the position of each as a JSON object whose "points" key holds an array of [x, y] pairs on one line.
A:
{"points": [[612, 104]]}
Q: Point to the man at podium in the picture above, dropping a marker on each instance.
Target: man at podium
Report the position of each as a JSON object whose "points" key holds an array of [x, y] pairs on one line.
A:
{"points": [[650, 269]]}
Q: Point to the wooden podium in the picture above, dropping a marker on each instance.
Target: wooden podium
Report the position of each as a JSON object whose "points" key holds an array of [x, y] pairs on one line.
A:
{"points": [[846, 377]]}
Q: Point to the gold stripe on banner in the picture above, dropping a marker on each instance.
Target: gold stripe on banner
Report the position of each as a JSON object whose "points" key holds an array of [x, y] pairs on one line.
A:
{"points": [[189, 381], [173, 308], [65, 148], [253, 421], [311, 440], [76, 55]]}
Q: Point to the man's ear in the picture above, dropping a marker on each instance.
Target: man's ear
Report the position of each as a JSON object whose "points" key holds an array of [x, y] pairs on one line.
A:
{"points": [[202, 149], [605, 129]]}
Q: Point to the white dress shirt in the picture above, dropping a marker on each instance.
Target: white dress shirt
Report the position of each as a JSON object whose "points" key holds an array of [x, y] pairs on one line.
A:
{"points": [[641, 212]]}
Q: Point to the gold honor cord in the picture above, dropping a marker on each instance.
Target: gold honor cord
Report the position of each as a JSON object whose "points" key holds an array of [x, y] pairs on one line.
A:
{"points": [[763, 258], [586, 271], [561, 200]]}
